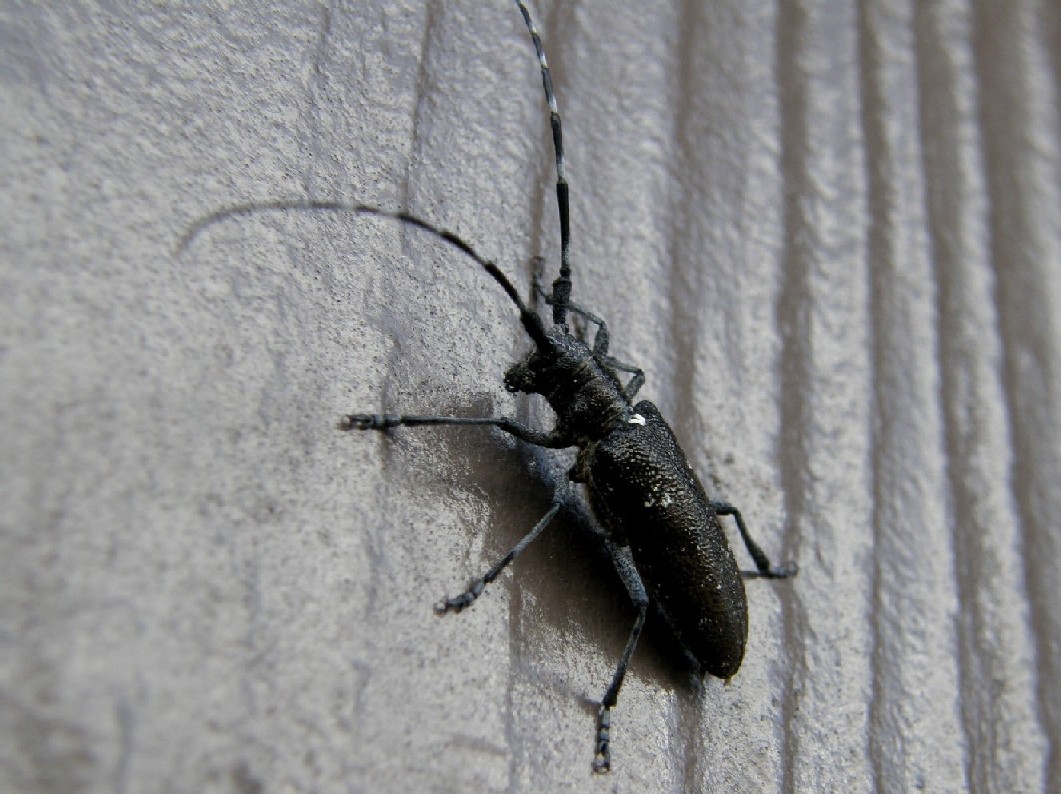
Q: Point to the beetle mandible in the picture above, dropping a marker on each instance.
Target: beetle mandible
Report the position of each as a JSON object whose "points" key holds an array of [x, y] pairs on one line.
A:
{"points": [[659, 526]]}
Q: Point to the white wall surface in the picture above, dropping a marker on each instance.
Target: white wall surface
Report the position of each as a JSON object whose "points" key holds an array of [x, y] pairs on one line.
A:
{"points": [[829, 232]]}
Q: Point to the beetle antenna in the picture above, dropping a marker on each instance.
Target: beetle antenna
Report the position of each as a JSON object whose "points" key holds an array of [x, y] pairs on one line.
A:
{"points": [[532, 323], [562, 284]]}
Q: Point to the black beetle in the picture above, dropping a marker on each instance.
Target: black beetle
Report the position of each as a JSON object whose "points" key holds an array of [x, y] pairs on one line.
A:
{"points": [[661, 529]]}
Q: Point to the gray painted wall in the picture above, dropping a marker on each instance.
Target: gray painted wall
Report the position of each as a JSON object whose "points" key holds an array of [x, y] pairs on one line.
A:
{"points": [[829, 232]]}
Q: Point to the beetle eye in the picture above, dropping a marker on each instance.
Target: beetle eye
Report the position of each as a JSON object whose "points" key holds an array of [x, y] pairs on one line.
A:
{"points": [[518, 378]]}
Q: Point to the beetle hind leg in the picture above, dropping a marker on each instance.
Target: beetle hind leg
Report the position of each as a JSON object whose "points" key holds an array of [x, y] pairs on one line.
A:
{"points": [[602, 759], [763, 568]]}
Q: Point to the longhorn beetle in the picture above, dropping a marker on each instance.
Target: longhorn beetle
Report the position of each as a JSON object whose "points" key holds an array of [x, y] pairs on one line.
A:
{"points": [[662, 531], [659, 527]]}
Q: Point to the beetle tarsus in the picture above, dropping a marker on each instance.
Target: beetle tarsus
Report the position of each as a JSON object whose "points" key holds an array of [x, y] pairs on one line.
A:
{"points": [[459, 602], [368, 422], [477, 586], [785, 571], [602, 757]]}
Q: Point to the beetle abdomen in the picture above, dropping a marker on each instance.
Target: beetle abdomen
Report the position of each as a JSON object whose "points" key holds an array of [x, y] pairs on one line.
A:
{"points": [[645, 494]]}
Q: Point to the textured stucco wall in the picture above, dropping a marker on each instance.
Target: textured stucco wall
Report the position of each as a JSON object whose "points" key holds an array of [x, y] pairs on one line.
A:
{"points": [[830, 233]]}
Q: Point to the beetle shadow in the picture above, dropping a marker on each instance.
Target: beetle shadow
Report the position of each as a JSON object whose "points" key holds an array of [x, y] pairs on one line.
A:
{"points": [[565, 581], [567, 572], [659, 654]]}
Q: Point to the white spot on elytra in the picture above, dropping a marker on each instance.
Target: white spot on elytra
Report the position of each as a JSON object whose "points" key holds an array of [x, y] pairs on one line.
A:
{"points": [[637, 419]]}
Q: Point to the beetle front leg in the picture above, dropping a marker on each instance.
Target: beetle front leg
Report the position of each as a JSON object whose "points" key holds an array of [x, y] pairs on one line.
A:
{"points": [[762, 563], [553, 439]]}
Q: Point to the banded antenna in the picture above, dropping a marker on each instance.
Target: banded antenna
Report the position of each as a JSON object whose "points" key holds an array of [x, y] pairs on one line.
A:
{"points": [[562, 285]]}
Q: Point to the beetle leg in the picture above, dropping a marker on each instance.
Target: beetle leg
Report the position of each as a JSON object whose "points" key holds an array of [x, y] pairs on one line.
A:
{"points": [[476, 587], [635, 383], [624, 565], [762, 563], [554, 439]]}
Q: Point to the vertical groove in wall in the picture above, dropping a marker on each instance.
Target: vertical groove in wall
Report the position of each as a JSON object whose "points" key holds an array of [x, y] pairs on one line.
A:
{"points": [[1021, 161], [915, 695], [676, 246], [824, 379], [797, 366], [310, 123], [684, 284], [994, 662], [885, 736]]}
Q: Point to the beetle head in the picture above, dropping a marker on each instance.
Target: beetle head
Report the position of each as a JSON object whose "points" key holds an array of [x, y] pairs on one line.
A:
{"points": [[527, 375], [547, 366]]}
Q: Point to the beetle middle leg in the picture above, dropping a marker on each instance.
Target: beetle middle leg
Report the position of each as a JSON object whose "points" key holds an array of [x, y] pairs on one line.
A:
{"points": [[553, 439], [762, 563], [476, 587]]}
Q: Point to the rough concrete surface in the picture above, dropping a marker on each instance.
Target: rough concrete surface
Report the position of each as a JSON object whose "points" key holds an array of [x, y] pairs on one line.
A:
{"points": [[830, 233]]}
